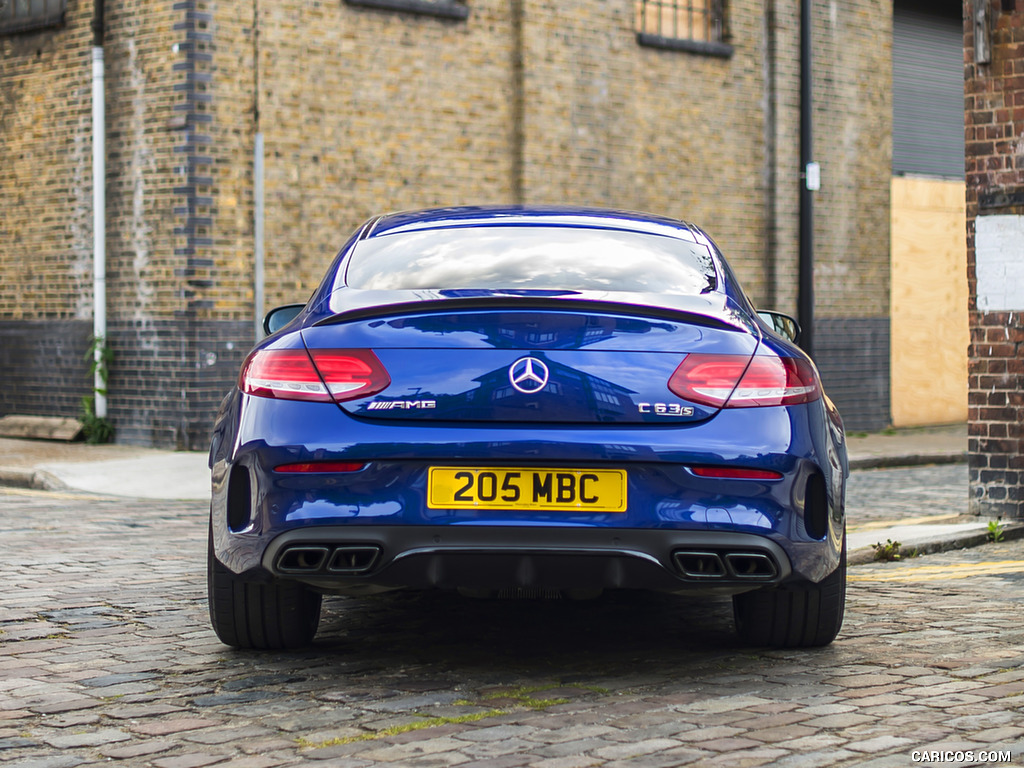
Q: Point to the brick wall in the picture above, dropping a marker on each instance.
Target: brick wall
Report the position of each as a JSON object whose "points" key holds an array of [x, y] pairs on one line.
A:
{"points": [[43, 366], [46, 226], [170, 368], [994, 125], [995, 413], [852, 354], [853, 142], [364, 110], [45, 172], [851, 91], [610, 122]]}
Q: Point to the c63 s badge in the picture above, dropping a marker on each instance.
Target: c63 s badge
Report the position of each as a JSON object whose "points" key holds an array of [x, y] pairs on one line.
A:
{"points": [[665, 409], [388, 405]]}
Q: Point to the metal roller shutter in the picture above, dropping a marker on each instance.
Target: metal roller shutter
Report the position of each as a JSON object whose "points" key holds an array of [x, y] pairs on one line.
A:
{"points": [[928, 92]]}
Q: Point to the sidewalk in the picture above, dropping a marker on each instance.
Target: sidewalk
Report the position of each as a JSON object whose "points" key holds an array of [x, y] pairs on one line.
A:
{"points": [[121, 470], [908, 447], [114, 470]]}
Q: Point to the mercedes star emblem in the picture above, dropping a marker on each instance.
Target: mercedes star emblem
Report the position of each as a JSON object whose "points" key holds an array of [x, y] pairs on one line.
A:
{"points": [[528, 375]]}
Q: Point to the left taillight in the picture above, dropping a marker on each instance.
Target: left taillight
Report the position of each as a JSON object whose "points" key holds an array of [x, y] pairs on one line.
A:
{"points": [[319, 375]]}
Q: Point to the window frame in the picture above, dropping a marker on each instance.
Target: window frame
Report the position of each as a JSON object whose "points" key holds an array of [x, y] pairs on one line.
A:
{"points": [[456, 10], [717, 9], [11, 23]]}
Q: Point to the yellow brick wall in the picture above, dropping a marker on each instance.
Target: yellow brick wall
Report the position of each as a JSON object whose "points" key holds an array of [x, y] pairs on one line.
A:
{"points": [[46, 172], [142, 278], [609, 122], [853, 144], [366, 110]]}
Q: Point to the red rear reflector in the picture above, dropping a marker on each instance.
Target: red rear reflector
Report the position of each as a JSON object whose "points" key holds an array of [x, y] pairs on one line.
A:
{"points": [[736, 473], [322, 466], [736, 381], [321, 375]]}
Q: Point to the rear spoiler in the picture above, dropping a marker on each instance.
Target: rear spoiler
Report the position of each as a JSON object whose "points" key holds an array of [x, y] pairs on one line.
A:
{"points": [[724, 319]]}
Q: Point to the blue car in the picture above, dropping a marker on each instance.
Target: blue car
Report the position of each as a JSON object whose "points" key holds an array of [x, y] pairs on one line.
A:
{"points": [[527, 401]]}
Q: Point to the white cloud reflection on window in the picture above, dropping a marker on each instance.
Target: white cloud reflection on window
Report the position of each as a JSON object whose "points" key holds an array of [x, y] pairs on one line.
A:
{"points": [[532, 258]]}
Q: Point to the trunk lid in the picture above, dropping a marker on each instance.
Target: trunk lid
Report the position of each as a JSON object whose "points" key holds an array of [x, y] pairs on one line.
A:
{"points": [[560, 365]]}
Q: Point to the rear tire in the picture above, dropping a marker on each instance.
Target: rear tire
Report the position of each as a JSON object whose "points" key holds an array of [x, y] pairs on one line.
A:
{"points": [[804, 615], [246, 614]]}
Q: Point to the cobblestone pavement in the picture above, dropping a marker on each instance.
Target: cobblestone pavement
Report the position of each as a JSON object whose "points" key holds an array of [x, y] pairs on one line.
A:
{"points": [[106, 657], [906, 492]]}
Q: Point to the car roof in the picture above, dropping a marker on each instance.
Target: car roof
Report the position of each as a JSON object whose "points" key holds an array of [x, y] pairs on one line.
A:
{"points": [[524, 215]]}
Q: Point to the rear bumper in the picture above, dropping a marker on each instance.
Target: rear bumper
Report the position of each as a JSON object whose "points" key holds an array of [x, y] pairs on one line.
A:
{"points": [[256, 511], [358, 560]]}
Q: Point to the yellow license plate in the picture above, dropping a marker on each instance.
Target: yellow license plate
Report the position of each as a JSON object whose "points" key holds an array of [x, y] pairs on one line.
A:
{"points": [[529, 488]]}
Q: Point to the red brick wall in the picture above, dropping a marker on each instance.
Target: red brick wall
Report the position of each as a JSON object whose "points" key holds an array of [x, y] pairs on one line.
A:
{"points": [[994, 127], [996, 409]]}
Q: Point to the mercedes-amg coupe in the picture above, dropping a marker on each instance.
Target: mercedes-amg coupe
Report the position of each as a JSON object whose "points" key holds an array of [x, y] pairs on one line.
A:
{"points": [[527, 401]]}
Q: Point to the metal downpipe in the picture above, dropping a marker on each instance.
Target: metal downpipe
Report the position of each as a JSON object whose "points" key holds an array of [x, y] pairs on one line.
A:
{"points": [[809, 181], [99, 209]]}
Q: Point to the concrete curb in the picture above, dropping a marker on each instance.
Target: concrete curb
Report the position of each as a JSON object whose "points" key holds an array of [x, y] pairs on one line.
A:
{"points": [[966, 540], [34, 479], [914, 460]]}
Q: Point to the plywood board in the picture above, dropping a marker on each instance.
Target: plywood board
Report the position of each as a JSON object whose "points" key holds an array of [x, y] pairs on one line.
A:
{"points": [[930, 333]]}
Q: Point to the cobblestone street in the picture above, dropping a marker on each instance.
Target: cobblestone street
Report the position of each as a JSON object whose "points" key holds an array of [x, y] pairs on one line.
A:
{"points": [[906, 492], [106, 657]]}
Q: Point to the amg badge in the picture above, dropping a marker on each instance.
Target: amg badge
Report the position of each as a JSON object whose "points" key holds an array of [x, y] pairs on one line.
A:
{"points": [[388, 405]]}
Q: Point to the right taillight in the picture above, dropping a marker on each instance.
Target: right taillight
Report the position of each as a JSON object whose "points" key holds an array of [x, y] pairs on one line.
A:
{"points": [[320, 375], [739, 381]]}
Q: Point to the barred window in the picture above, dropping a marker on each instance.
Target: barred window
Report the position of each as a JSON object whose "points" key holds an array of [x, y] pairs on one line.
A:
{"points": [[690, 25], [24, 15]]}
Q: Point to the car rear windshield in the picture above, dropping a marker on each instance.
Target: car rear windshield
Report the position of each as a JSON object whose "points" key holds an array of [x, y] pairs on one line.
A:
{"points": [[531, 258]]}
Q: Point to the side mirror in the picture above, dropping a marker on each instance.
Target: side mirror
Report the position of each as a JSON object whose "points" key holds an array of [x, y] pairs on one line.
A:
{"points": [[279, 317], [782, 324]]}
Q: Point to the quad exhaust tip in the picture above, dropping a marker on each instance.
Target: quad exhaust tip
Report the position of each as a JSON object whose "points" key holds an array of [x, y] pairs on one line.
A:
{"points": [[302, 559], [700, 565], [709, 566], [338, 560]]}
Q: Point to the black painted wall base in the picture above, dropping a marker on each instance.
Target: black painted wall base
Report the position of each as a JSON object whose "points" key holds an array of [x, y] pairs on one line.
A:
{"points": [[43, 370], [166, 379], [852, 355]]}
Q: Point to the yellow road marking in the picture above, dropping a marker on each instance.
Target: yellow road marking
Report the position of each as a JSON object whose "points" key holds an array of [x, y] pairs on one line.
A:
{"points": [[940, 572]]}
